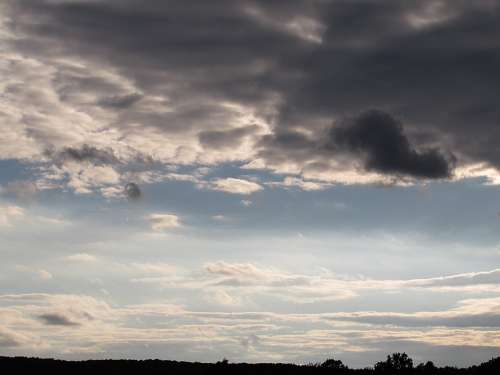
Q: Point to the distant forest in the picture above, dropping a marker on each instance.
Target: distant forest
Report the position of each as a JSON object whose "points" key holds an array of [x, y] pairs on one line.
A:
{"points": [[397, 363]]}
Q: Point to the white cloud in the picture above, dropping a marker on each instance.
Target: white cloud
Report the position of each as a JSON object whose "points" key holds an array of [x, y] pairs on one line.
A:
{"points": [[12, 216], [84, 324], [154, 268], [81, 258], [44, 275], [255, 280], [9, 214], [301, 184], [235, 186], [161, 222], [40, 274], [490, 175], [221, 297], [221, 218], [82, 179]]}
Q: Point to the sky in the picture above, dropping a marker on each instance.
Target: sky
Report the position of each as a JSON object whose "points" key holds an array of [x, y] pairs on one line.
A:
{"points": [[265, 181]]}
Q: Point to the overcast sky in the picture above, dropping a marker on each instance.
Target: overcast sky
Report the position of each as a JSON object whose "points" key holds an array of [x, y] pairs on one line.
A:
{"points": [[256, 180]]}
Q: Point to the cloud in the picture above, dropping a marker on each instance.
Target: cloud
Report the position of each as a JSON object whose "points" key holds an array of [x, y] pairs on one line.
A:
{"points": [[22, 190], [250, 341], [286, 94], [44, 275], [481, 312], [229, 138], [161, 222], [81, 258], [221, 297], [235, 186], [154, 268], [9, 214], [101, 327], [132, 191], [289, 182], [19, 218], [265, 98], [120, 101], [373, 142], [483, 279], [240, 270], [59, 309], [9, 339], [40, 274], [83, 179], [55, 319], [250, 279], [379, 140], [221, 218], [83, 154]]}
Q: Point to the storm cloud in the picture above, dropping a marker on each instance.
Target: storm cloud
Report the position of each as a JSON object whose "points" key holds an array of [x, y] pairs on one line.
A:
{"points": [[379, 139], [293, 67], [259, 131]]}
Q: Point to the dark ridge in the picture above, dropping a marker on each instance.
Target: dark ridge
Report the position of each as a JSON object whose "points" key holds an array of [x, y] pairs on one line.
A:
{"points": [[397, 363]]}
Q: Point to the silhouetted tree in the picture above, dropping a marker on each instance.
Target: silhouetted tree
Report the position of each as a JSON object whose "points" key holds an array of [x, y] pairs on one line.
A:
{"points": [[224, 362], [334, 364], [427, 368], [395, 363]]}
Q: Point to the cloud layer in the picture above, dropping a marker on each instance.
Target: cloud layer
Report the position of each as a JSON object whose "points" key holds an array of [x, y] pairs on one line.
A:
{"points": [[152, 178], [76, 326], [257, 84]]}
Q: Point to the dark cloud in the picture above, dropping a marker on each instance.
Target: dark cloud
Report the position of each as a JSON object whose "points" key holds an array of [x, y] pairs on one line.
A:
{"points": [[374, 138], [226, 138], [433, 64], [85, 153], [132, 191], [57, 319], [379, 139], [438, 75], [120, 101]]}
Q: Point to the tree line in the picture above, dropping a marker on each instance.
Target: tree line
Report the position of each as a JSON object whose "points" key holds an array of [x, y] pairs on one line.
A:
{"points": [[396, 363]]}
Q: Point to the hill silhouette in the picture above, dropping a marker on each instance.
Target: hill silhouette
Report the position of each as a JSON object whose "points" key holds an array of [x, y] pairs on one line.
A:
{"points": [[397, 363]]}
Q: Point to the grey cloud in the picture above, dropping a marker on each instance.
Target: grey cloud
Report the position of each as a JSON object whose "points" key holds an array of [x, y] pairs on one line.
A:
{"points": [[132, 191], [212, 59], [250, 341], [98, 156], [381, 142], [57, 319], [438, 77], [120, 101], [375, 138], [85, 153], [437, 70], [8, 339], [219, 139]]}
